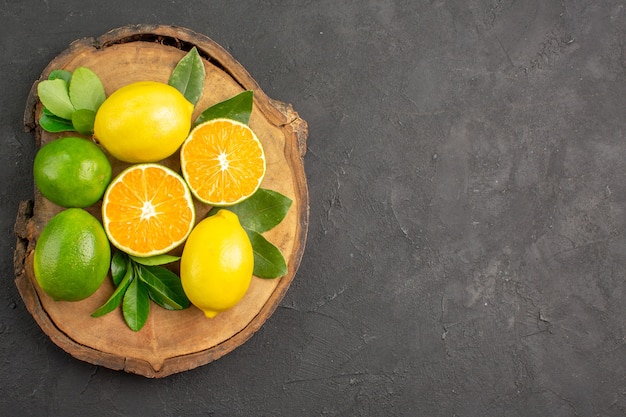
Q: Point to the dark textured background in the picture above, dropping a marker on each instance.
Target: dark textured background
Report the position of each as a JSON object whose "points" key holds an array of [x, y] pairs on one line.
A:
{"points": [[466, 249]]}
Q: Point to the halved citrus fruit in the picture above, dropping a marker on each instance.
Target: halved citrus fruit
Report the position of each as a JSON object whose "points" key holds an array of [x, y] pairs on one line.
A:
{"points": [[147, 210], [223, 162]]}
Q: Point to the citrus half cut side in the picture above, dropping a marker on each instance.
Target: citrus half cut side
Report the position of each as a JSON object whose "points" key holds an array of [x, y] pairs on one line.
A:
{"points": [[147, 210], [223, 162]]}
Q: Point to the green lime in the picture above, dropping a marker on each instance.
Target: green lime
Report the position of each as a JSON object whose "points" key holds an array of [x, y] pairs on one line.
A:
{"points": [[72, 172], [72, 255]]}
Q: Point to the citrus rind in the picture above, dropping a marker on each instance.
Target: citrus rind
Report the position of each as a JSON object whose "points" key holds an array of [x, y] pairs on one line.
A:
{"points": [[217, 264]]}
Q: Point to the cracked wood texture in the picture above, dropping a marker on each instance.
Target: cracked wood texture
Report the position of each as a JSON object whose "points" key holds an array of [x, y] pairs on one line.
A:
{"points": [[171, 341]]}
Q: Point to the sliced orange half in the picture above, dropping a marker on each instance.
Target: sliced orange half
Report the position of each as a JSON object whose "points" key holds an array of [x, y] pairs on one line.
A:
{"points": [[223, 162], [147, 210]]}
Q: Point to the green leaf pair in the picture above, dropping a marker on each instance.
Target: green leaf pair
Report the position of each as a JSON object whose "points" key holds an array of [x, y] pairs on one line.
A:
{"points": [[188, 78], [257, 214], [139, 280], [70, 100]]}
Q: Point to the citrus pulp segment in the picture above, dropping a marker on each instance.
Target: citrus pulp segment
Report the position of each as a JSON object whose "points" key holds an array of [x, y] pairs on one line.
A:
{"points": [[223, 162], [147, 210]]}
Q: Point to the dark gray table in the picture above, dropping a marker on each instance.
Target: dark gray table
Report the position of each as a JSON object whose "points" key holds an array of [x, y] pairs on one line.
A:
{"points": [[467, 250]]}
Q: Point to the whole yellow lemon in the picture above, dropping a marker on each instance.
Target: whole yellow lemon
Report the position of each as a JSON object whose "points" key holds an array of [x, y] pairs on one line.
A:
{"points": [[217, 263], [145, 121]]}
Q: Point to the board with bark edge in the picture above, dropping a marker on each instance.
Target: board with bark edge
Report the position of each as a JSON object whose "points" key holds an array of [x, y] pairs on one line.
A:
{"points": [[171, 341]]}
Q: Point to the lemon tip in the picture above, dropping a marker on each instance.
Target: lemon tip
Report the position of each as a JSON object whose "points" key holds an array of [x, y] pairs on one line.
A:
{"points": [[210, 313]]}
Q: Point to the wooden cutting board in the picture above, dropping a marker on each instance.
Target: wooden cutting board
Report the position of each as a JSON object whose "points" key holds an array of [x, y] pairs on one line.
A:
{"points": [[171, 341]]}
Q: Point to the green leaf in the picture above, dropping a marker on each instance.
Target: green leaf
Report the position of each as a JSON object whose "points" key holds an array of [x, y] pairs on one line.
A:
{"points": [[62, 74], [116, 298], [54, 94], [164, 287], [54, 124], [119, 266], [86, 90], [268, 260], [155, 260], [82, 120], [236, 108], [262, 211], [188, 76], [136, 305]]}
